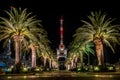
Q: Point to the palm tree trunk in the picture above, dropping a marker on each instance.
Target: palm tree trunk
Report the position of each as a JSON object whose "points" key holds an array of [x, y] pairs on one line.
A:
{"points": [[88, 59], [72, 63], [33, 57], [53, 64], [81, 59], [45, 58], [102, 57], [17, 54], [99, 51], [17, 40], [76, 59], [99, 56], [50, 62]]}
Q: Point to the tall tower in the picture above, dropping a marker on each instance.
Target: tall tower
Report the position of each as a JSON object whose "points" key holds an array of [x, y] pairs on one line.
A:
{"points": [[61, 45], [61, 51]]}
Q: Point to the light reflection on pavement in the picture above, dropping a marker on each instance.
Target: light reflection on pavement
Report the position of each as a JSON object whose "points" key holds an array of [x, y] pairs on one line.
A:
{"points": [[60, 75]]}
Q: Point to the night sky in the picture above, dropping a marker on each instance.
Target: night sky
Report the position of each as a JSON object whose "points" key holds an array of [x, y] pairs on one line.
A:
{"points": [[73, 11]]}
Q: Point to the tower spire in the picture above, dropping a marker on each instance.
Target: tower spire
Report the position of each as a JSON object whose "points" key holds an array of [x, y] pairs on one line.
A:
{"points": [[61, 30], [61, 46]]}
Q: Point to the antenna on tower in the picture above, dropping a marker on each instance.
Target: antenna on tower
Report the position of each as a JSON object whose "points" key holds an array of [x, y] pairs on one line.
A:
{"points": [[61, 30]]}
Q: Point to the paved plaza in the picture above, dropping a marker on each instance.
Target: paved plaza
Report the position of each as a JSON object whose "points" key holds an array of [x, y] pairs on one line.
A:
{"points": [[61, 75]]}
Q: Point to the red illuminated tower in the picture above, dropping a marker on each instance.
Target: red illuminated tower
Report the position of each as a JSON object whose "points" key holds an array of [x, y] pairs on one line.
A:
{"points": [[61, 51], [61, 46]]}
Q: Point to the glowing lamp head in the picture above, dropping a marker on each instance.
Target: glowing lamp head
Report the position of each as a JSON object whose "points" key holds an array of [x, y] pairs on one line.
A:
{"points": [[61, 47]]}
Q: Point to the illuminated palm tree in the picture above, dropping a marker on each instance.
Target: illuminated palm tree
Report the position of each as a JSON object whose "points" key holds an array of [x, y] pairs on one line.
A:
{"points": [[47, 54], [87, 49], [51, 56], [37, 46], [99, 30], [20, 26], [79, 48], [33, 48], [44, 54]]}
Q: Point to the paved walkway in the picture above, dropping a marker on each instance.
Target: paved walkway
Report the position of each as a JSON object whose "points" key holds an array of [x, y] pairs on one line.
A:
{"points": [[63, 75], [67, 74], [79, 74]]}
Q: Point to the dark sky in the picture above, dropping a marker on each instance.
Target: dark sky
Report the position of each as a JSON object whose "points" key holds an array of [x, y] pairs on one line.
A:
{"points": [[73, 11]]}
